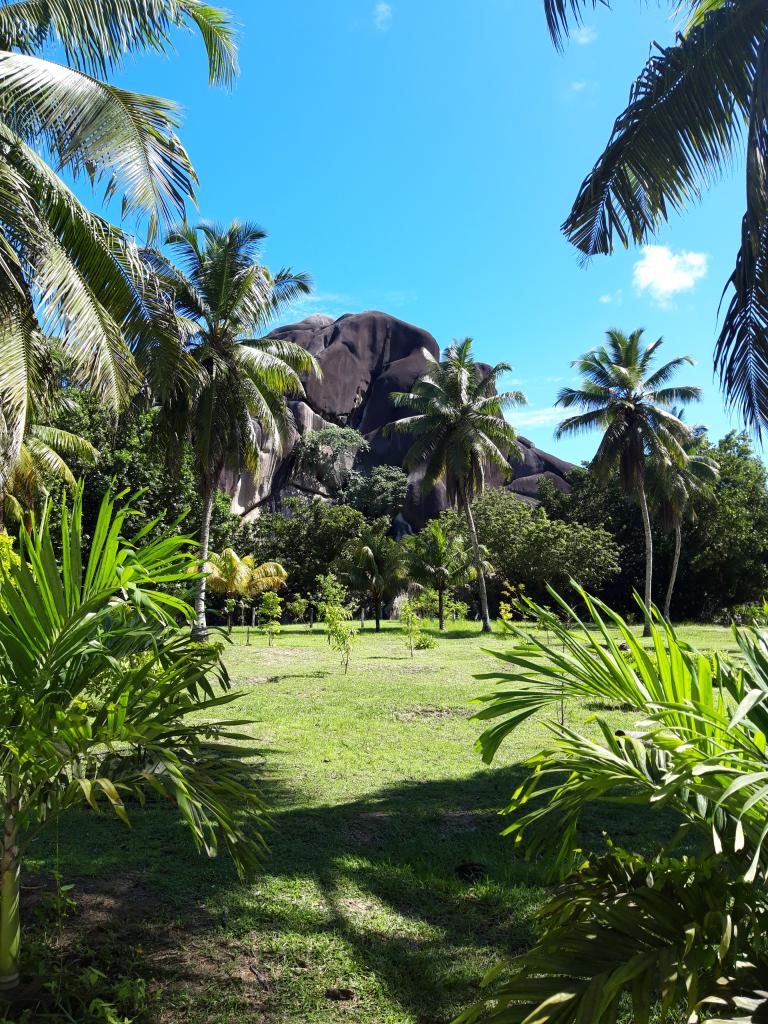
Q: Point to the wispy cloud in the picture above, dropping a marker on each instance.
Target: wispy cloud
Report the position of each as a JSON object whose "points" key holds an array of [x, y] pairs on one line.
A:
{"points": [[663, 273], [578, 86], [612, 298], [382, 17], [328, 303], [584, 35], [537, 417]]}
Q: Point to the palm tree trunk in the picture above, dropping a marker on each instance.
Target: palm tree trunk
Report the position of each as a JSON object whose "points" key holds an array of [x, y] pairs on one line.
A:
{"points": [[673, 574], [10, 871], [441, 610], [647, 596], [200, 629], [377, 609], [479, 566]]}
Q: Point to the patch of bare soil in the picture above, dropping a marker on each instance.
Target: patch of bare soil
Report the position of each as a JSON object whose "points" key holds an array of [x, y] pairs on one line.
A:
{"points": [[419, 713]]}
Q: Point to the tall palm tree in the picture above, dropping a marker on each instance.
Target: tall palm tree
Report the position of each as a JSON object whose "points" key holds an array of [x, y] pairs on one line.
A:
{"points": [[692, 108], [234, 576], [440, 560], [374, 568], [622, 395], [64, 270], [457, 420], [674, 490], [224, 298]]}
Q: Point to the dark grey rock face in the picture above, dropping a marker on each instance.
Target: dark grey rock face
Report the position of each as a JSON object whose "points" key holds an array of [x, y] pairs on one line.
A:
{"points": [[364, 358]]}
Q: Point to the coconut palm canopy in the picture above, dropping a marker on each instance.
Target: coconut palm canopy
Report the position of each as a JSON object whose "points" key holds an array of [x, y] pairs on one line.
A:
{"points": [[456, 417], [232, 384], [63, 269], [694, 107], [229, 573], [631, 402]]}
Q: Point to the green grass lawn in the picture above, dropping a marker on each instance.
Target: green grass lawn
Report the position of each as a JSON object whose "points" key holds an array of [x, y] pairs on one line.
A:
{"points": [[379, 797]]}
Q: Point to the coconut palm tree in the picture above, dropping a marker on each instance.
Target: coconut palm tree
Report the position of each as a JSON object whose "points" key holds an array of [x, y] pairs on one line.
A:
{"points": [[64, 270], [374, 567], [674, 490], [229, 574], [632, 403], [440, 560], [224, 299], [457, 420], [695, 106], [106, 696]]}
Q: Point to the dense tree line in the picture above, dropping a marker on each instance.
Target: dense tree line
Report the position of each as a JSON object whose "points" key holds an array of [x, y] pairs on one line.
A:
{"points": [[724, 559]]}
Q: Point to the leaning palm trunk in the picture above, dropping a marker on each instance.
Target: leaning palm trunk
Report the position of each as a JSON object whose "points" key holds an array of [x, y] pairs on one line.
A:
{"points": [[673, 574], [479, 566], [643, 500], [200, 629], [10, 926]]}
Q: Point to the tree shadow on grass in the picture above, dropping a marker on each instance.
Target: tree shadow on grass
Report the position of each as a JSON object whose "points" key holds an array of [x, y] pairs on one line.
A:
{"points": [[376, 877]]}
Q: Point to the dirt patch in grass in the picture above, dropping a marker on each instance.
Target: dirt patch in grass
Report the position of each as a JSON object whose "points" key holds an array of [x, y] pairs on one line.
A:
{"points": [[428, 712]]}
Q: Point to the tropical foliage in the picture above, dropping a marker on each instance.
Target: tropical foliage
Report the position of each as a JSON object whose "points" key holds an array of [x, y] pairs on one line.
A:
{"points": [[374, 568], [234, 396], [440, 561], [724, 560], [235, 577], [64, 271], [675, 491], [665, 933], [456, 417], [101, 694], [633, 405], [693, 107]]}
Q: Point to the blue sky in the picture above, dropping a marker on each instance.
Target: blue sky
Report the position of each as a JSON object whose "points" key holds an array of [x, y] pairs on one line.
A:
{"points": [[418, 157]]}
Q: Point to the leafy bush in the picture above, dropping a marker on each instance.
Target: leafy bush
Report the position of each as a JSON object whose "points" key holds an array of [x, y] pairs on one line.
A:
{"points": [[103, 694], [687, 933]]}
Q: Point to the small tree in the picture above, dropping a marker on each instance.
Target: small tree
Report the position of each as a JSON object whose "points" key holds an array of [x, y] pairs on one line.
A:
{"points": [[341, 638], [374, 567], [331, 602], [297, 608], [411, 624], [270, 613]]}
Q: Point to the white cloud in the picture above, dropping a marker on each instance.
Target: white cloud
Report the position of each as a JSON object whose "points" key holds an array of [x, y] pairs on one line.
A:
{"points": [[537, 417], [382, 17], [585, 35], [578, 86], [663, 273], [611, 298]]}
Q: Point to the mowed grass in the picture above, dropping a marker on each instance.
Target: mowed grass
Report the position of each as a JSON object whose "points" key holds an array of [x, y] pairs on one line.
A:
{"points": [[388, 890]]}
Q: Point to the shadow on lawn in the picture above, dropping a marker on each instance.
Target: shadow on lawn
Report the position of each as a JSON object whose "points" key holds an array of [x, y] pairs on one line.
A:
{"points": [[380, 873]]}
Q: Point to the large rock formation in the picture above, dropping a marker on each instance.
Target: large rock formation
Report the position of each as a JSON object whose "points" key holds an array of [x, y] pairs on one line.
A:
{"points": [[364, 358]]}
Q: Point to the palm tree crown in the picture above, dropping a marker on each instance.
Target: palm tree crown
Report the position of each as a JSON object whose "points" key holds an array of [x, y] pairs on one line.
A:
{"points": [[633, 404], [64, 270], [457, 420], [456, 417], [691, 109], [231, 385]]}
